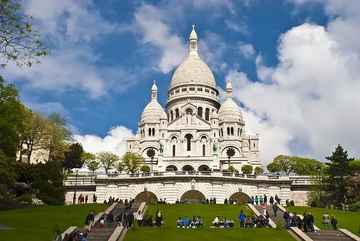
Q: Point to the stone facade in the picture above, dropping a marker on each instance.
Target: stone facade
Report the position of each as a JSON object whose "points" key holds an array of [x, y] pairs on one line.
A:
{"points": [[194, 131]]}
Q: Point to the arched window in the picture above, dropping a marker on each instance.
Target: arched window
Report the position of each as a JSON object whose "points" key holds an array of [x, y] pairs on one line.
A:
{"points": [[203, 150], [189, 111], [200, 111], [232, 130], [171, 115], [149, 132], [153, 131], [228, 131], [173, 150], [207, 114], [177, 113], [188, 138]]}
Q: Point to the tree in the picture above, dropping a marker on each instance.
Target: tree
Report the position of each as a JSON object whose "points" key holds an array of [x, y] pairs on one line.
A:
{"points": [[132, 161], [73, 156], [355, 166], [230, 152], [247, 169], [120, 166], [145, 168], [35, 134], [294, 164], [108, 160], [59, 136], [337, 173], [232, 169], [91, 162], [19, 42], [258, 171]]}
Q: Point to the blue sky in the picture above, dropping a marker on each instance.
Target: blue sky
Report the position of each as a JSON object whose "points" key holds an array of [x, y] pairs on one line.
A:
{"points": [[104, 56]]}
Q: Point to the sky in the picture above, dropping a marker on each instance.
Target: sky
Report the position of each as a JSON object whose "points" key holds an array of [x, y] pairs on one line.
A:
{"points": [[294, 65]]}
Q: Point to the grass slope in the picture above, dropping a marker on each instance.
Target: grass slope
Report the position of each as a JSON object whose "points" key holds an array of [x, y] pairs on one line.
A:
{"points": [[38, 224], [348, 220], [169, 231]]}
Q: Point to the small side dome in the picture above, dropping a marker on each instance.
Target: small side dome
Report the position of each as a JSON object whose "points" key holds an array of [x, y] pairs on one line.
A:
{"points": [[229, 111], [153, 111]]}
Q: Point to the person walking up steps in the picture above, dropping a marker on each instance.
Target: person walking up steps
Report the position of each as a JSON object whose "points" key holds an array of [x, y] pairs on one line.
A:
{"points": [[275, 209]]}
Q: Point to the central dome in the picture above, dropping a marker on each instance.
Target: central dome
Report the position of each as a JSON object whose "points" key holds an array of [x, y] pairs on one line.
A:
{"points": [[193, 70]]}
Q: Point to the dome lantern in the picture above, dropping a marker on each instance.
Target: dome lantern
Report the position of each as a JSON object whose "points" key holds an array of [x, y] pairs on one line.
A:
{"points": [[193, 39]]}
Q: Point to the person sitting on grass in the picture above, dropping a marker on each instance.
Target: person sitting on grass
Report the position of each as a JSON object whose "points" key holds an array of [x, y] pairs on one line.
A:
{"points": [[216, 221], [179, 223]]}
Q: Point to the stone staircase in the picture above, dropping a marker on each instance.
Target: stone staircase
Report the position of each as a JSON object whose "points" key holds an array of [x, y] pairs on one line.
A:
{"points": [[278, 219], [329, 235], [99, 233]]}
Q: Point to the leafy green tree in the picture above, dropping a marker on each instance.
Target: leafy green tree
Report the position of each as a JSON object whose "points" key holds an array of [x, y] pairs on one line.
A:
{"points": [[19, 42], [294, 164], [120, 166], [73, 156], [145, 168], [107, 160], [247, 169], [355, 166], [59, 136], [258, 171], [132, 161], [91, 162], [337, 173]]}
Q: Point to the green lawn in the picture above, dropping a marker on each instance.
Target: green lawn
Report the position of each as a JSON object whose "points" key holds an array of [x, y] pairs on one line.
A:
{"points": [[38, 224], [348, 220], [169, 231]]}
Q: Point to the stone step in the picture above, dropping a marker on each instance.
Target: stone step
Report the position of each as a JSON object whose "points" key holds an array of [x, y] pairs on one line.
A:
{"points": [[329, 235]]}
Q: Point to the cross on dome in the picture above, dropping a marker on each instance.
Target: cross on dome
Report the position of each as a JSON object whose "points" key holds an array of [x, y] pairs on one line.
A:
{"points": [[229, 89], [193, 40], [154, 91]]}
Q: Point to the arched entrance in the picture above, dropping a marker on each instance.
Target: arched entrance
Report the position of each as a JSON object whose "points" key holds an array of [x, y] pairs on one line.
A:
{"points": [[188, 168], [146, 196], [171, 168], [239, 198], [192, 196], [204, 168]]}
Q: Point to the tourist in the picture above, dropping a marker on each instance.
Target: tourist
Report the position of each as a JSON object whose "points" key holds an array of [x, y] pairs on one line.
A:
{"points": [[242, 218], [326, 220], [158, 218], [265, 199], [334, 222], [311, 222], [86, 199], [277, 199], [275, 208], [110, 218], [305, 222], [139, 218], [271, 200], [216, 221], [286, 217], [252, 200], [256, 200], [94, 198], [261, 200]]}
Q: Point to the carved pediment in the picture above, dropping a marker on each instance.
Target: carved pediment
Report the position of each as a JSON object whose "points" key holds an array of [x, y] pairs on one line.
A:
{"points": [[189, 122]]}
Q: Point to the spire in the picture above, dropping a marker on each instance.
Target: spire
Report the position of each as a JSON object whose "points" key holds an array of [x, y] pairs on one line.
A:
{"points": [[193, 48], [154, 91], [229, 89]]}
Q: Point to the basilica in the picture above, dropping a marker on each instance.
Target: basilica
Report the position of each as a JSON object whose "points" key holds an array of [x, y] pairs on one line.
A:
{"points": [[194, 131]]}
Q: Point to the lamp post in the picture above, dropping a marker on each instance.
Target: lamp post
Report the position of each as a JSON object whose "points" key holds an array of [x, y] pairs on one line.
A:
{"points": [[151, 153], [230, 152]]}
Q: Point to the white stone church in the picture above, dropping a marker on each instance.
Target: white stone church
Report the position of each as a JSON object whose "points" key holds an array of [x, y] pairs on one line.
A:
{"points": [[194, 131]]}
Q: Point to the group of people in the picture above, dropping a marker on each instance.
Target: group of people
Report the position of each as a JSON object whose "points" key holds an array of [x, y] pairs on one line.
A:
{"points": [[305, 223], [76, 236], [185, 222], [263, 199], [253, 221], [84, 199], [222, 222], [112, 200], [149, 221]]}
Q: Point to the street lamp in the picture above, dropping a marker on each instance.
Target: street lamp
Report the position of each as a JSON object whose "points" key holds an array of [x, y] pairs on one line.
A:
{"points": [[151, 153], [230, 152]]}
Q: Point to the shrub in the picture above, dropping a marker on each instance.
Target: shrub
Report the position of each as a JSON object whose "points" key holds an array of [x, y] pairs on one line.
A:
{"points": [[247, 169], [145, 168]]}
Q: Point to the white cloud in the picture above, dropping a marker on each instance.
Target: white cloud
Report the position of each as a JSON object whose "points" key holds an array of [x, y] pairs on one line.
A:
{"points": [[307, 104], [246, 50], [150, 24], [114, 141], [239, 27]]}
